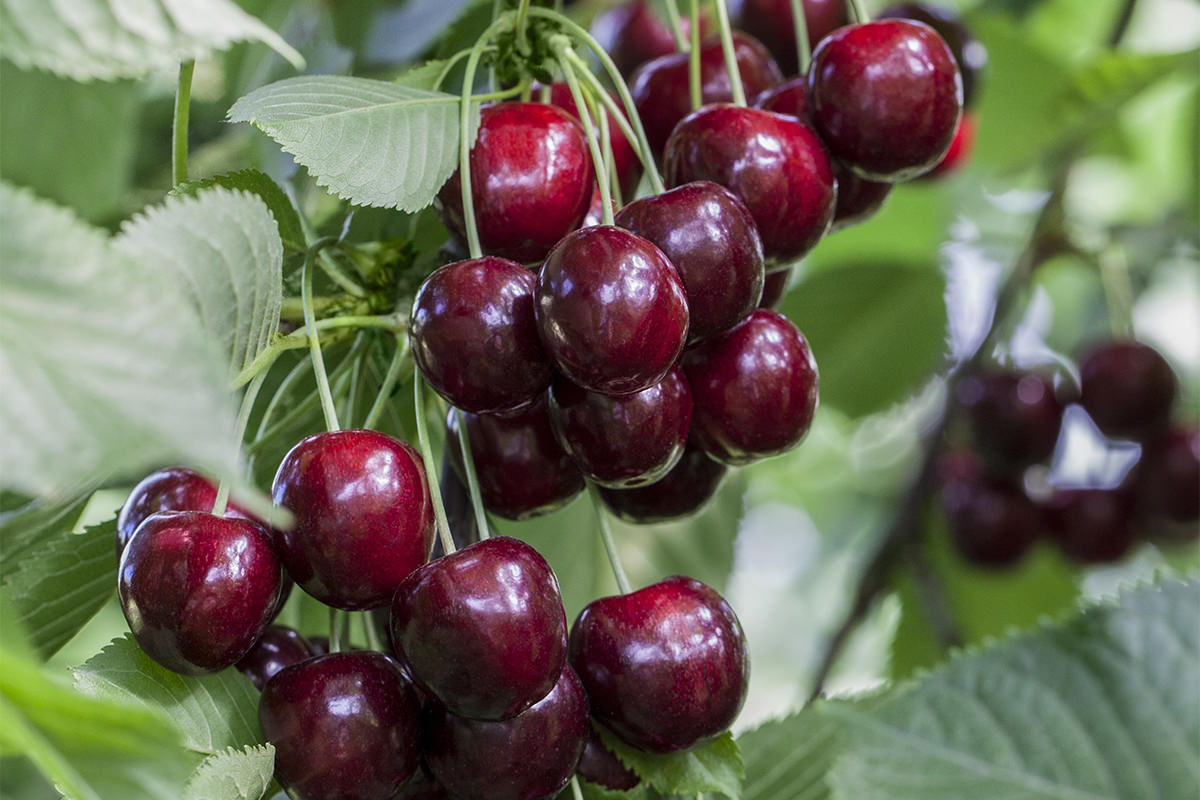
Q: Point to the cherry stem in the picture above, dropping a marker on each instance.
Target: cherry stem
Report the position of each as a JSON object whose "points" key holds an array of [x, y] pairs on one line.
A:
{"points": [[339, 378], [468, 457], [300, 338], [451, 63], [731, 65], [239, 433], [350, 402], [431, 467], [314, 342], [389, 381], [583, 108], [336, 274], [610, 547], [369, 633], [676, 23], [339, 630], [465, 139], [576, 792], [697, 97], [800, 26], [179, 127], [1118, 290], [857, 11]]}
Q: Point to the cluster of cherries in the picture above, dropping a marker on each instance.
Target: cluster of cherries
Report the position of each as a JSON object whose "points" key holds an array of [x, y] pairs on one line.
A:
{"points": [[1013, 420]]}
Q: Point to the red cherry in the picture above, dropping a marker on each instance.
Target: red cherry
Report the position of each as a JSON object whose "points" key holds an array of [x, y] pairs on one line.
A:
{"points": [[680, 493], [1127, 388], [1092, 526], [632, 35], [960, 147], [771, 22], [624, 157]]}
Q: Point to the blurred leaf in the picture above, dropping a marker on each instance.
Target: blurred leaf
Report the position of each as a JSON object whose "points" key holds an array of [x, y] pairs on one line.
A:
{"points": [[25, 527], [267, 190], [908, 229], [370, 142], [401, 34], [878, 331], [244, 774], [472, 21], [791, 757], [1101, 706], [423, 76], [713, 767], [106, 39]]}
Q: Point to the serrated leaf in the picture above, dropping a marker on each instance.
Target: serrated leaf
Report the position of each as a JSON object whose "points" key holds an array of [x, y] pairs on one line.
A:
{"points": [[593, 791], [790, 757], [1106, 705], [423, 76], [213, 712], [713, 767], [110, 39], [371, 142], [23, 528], [105, 366], [257, 183], [223, 248], [233, 775], [61, 585]]}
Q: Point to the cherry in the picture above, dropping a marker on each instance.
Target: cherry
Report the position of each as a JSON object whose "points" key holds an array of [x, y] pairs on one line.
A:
{"points": [[626, 441], [885, 97], [531, 180], [771, 22], [633, 35], [665, 667], [364, 517], [528, 757], [624, 158], [680, 493], [611, 309], [661, 92], [197, 589], [969, 53], [482, 629], [1092, 526], [170, 489], [1168, 476], [1015, 417], [1127, 388], [278, 647], [422, 786], [599, 766], [992, 522], [523, 471], [960, 148], [710, 237], [754, 389], [344, 725], [773, 163], [774, 288], [475, 337]]}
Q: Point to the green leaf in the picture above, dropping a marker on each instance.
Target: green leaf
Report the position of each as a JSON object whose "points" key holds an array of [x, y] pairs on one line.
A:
{"points": [[24, 528], [424, 76], [594, 791], [105, 366], [790, 757], [878, 331], [223, 246], [714, 767], [61, 585], [233, 775], [214, 712], [1101, 706], [259, 183], [371, 142], [106, 39]]}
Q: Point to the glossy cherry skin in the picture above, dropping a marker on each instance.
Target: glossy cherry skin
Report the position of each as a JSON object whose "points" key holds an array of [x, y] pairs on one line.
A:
{"points": [[523, 471], [1168, 476], [754, 389], [632, 34], [482, 629], [598, 765], [774, 164], [992, 522], [198, 590], [710, 237], [1092, 526], [344, 725], [528, 757], [278, 647], [969, 53], [774, 288], [475, 336], [1127, 388], [960, 149], [364, 517], [611, 309], [661, 92], [531, 180], [680, 493], [170, 489], [771, 22], [885, 97], [665, 667], [627, 441], [624, 157], [1014, 416]]}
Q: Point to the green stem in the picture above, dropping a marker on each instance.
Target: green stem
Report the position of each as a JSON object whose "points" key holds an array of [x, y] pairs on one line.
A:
{"points": [[589, 129], [697, 96], [336, 274], [731, 65], [468, 457], [800, 27], [337, 629], [610, 547], [339, 377], [1118, 290], [431, 467], [389, 382], [314, 342], [369, 633], [576, 792], [676, 23], [239, 433], [357, 376], [300, 338], [179, 128], [464, 142], [451, 63], [857, 11]]}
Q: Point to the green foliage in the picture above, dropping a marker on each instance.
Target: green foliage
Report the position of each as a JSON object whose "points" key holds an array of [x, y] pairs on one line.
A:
{"points": [[257, 183], [424, 76], [26, 527], [233, 775], [713, 767], [790, 757]]}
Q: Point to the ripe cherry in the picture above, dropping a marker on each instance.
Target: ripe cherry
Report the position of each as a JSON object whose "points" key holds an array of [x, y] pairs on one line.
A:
{"points": [[771, 22], [960, 148], [774, 288], [598, 765], [278, 647], [1015, 417], [680, 493], [170, 489], [624, 158], [1168, 475], [969, 53], [632, 35], [991, 520], [1092, 526], [364, 518], [1127, 388]]}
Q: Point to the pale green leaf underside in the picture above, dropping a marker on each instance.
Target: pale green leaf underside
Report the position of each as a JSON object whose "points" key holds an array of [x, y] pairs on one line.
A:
{"points": [[267, 190], [714, 767], [372, 142], [233, 775], [1106, 706], [105, 366], [224, 251], [110, 39], [790, 757]]}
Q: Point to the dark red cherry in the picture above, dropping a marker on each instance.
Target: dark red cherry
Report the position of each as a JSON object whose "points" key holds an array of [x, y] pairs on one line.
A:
{"points": [[482, 629], [278, 647], [198, 590], [1127, 388], [475, 337], [632, 34], [665, 667], [422, 786], [531, 180], [319, 645], [969, 53], [523, 471], [364, 518], [960, 149], [773, 163], [344, 725], [771, 22], [991, 520], [611, 309], [885, 97], [680, 493], [1092, 526], [710, 237], [661, 91], [1168, 477], [170, 489], [528, 757], [624, 158], [1014, 417], [627, 441], [754, 389], [774, 288], [598, 765]]}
